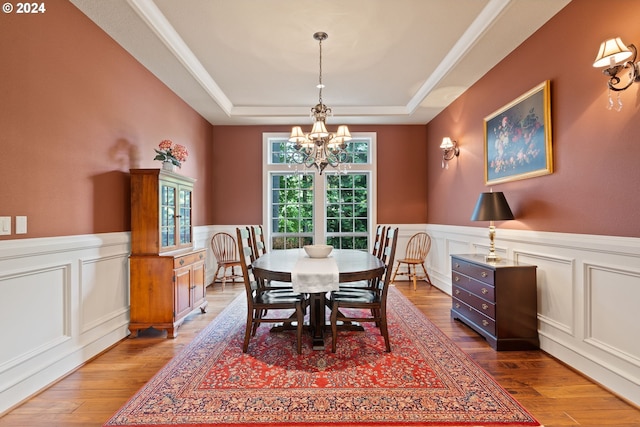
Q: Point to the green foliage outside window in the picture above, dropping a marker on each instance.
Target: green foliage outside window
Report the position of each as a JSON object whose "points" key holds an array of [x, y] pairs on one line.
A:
{"points": [[347, 211]]}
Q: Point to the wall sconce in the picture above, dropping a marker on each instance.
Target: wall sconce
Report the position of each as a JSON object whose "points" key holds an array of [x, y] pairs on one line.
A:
{"points": [[614, 55], [449, 151]]}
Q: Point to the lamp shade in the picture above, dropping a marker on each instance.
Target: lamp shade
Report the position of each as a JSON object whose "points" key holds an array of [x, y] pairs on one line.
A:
{"points": [[612, 52], [319, 130], [492, 207], [447, 144], [297, 135], [340, 138], [343, 134]]}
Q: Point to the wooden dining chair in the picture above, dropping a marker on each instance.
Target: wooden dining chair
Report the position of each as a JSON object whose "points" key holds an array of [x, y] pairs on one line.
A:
{"points": [[261, 299], [257, 237], [224, 248], [418, 248], [372, 301]]}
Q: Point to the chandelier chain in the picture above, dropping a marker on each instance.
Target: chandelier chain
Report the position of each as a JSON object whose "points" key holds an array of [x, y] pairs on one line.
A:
{"points": [[320, 75]]}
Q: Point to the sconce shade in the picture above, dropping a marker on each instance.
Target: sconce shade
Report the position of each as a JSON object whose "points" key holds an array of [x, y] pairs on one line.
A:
{"points": [[447, 144], [612, 52], [492, 207]]}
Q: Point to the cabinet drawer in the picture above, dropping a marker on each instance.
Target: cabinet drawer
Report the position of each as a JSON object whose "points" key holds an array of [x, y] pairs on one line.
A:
{"points": [[473, 270], [182, 261], [483, 306], [483, 290], [485, 323]]}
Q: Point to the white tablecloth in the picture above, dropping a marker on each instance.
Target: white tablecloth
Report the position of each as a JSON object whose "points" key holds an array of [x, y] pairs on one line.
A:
{"points": [[311, 275]]}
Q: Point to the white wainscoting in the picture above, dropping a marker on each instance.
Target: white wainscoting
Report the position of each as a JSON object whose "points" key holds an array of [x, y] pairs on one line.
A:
{"points": [[66, 299], [588, 294], [63, 300]]}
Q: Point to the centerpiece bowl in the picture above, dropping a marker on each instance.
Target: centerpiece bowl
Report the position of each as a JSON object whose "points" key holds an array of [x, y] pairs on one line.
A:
{"points": [[318, 251]]}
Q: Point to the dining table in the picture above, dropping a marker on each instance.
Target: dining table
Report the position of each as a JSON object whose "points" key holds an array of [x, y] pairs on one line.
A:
{"points": [[316, 277]]}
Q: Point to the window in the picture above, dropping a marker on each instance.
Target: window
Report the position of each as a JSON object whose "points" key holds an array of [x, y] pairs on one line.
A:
{"points": [[303, 207], [291, 210], [347, 211]]}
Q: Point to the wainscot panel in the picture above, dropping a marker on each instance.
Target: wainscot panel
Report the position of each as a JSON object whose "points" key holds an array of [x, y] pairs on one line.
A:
{"points": [[588, 288], [66, 299]]}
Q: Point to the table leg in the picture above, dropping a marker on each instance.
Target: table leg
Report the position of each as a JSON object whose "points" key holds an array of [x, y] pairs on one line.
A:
{"points": [[317, 319]]}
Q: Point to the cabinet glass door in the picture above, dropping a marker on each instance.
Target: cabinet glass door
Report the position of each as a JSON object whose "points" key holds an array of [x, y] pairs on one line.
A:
{"points": [[168, 215], [184, 223]]}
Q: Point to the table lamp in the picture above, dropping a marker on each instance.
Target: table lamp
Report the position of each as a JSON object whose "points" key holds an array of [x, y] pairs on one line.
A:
{"points": [[492, 207]]}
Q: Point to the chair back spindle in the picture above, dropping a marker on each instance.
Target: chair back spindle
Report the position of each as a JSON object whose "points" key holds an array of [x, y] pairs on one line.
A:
{"points": [[257, 237], [379, 239]]}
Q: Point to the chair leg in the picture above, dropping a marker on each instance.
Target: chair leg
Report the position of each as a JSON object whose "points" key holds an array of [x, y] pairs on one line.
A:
{"points": [[384, 330], [375, 313], [300, 318], [215, 276], [414, 276], [395, 273], [334, 327], [247, 332]]}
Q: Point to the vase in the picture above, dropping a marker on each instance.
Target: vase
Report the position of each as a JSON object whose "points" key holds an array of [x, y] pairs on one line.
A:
{"points": [[168, 166]]}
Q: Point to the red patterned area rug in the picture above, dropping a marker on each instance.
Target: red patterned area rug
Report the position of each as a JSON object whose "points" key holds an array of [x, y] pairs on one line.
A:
{"points": [[425, 381]]}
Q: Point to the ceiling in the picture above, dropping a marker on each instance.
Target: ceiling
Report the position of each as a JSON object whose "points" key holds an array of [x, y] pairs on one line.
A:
{"points": [[243, 62]]}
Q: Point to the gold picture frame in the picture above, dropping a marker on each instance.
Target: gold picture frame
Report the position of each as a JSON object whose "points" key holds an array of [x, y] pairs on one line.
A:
{"points": [[517, 138]]}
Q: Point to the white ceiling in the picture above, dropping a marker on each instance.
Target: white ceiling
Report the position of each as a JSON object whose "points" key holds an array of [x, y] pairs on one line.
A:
{"points": [[256, 62]]}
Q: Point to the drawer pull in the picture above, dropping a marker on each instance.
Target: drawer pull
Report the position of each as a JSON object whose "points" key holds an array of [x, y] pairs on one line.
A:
{"points": [[484, 274], [457, 291], [201, 256], [456, 279], [181, 262], [484, 306], [485, 323], [457, 265], [484, 291], [457, 305]]}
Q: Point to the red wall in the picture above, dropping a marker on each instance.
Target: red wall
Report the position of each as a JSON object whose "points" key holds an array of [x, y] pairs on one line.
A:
{"points": [[76, 112], [402, 175], [595, 186]]}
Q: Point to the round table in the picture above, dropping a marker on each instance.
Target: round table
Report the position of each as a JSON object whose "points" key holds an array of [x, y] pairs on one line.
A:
{"points": [[353, 265]]}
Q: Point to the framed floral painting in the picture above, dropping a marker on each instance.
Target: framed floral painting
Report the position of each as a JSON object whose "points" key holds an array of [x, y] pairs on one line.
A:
{"points": [[517, 138]]}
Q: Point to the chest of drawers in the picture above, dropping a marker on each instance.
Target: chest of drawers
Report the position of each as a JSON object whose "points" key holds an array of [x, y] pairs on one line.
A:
{"points": [[498, 300]]}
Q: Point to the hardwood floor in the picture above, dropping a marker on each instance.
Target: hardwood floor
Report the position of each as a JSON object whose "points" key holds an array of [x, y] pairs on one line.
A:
{"points": [[555, 394]]}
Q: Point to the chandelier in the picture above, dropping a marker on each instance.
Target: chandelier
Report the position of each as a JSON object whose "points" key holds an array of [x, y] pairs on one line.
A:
{"points": [[319, 147]]}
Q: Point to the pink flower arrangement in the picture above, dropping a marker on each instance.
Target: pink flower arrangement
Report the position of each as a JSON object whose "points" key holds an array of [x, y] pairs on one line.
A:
{"points": [[170, 152]]}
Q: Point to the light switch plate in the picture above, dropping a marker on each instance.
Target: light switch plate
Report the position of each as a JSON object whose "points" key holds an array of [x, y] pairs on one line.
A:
{"points": [[5, 225], [21, 225]]}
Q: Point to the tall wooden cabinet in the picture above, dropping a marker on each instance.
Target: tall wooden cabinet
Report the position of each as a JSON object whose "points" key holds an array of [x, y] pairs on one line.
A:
{"points": [[167, 275]]}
